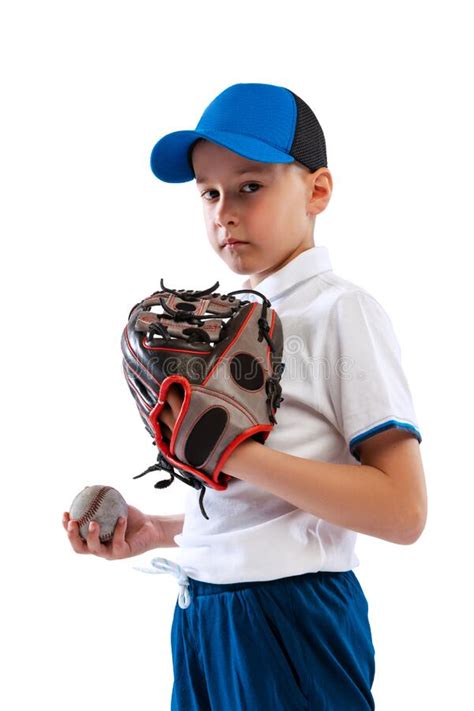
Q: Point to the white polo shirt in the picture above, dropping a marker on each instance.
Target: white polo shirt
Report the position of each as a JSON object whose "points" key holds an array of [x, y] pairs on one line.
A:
{"points": [[343, 382]]}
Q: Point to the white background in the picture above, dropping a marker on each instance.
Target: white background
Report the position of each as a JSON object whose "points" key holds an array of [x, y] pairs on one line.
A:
{"points": [[87, 88]]}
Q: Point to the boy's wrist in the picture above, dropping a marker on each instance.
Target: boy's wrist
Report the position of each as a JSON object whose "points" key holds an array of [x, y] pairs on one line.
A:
{"points": [[167, 527], [238, 461]]}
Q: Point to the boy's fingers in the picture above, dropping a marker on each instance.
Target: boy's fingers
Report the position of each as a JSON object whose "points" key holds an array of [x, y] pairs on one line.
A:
{"points": [[166, 417], [93, 541], [74, 538], [166, 432], [118, 539], [175, 398]]}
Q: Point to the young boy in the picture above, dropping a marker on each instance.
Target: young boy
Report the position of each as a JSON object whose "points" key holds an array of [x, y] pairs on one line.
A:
{"points": [[278, 618]]}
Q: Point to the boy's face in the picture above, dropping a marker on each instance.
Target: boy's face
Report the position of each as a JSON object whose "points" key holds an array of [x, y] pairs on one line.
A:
{"points": [[271, 208]]}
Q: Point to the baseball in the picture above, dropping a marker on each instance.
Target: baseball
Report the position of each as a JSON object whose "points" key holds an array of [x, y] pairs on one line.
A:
{"points": [[102, 504]]}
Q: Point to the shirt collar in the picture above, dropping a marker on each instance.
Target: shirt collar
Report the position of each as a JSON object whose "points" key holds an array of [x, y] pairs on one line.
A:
{"points": [[311, 262]]}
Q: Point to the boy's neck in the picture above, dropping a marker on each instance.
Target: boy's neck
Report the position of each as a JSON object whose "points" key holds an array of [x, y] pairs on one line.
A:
{"points": [[255, 279]]}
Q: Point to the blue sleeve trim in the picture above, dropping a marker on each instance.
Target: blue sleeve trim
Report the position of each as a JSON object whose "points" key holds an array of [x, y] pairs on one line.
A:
{"points": [[355, 442]]}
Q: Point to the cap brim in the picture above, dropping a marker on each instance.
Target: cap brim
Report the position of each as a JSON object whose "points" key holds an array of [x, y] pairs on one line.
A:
{"points": [[170, 156]]}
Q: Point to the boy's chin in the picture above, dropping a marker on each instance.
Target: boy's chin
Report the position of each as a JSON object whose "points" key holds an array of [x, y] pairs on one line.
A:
{"points": [[237, 270], [235, 267]]}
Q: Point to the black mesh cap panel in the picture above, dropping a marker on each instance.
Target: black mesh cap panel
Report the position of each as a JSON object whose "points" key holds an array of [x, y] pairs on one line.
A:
{"points": [[309, 145]]}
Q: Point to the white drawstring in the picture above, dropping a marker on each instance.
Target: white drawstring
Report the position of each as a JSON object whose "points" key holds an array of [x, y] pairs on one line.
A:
{"points": [[163, 565]]}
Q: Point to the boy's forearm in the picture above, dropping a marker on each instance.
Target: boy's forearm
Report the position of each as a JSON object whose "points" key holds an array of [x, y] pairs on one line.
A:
{"points": [[168, 527], [358, 497]]}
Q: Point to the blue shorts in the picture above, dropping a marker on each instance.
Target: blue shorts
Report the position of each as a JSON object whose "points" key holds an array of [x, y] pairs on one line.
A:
{"points": [[291, 644]]}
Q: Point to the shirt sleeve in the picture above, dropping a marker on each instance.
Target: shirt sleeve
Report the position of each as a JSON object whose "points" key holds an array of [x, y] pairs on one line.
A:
{"points": [[368, 389]]}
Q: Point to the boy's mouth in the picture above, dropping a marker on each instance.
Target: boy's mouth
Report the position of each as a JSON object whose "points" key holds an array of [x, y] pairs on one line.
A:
{"points": [[234, 245], [232, 242]]}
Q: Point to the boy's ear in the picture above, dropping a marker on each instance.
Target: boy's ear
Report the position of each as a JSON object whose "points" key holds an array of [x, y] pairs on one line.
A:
{"points": [[320, 182]]}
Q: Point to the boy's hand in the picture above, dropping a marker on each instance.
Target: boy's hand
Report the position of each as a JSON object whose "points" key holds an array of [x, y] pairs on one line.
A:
{"points": [[133, 535], [170, 412]]}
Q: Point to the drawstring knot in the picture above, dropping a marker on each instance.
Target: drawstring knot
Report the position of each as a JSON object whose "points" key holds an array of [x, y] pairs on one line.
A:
{"points": [[163, 565]]}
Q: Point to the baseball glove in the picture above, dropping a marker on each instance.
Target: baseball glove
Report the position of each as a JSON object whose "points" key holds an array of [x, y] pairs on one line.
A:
{"points": [[225, 353]]}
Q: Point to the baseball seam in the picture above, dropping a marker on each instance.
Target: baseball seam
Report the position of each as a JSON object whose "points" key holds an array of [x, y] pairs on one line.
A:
{"points": [[94, 506]]}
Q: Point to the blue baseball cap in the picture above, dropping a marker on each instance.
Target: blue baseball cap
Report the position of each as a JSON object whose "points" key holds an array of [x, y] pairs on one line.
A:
{"points": [[262, 122]]}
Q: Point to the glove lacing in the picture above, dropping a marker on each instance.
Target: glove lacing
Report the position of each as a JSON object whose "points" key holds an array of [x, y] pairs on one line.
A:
{"points": [[272, 386], [163, 463]]}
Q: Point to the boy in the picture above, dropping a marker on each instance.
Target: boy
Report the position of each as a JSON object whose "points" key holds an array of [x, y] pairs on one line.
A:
{"points": [[278, 618]]}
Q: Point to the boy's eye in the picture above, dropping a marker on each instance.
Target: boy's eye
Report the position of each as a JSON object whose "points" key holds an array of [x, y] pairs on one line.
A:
{"points": [[244, 186]]}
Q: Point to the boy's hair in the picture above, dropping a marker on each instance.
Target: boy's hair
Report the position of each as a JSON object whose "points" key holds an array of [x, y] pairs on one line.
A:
{"points": [[294, 163]]}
